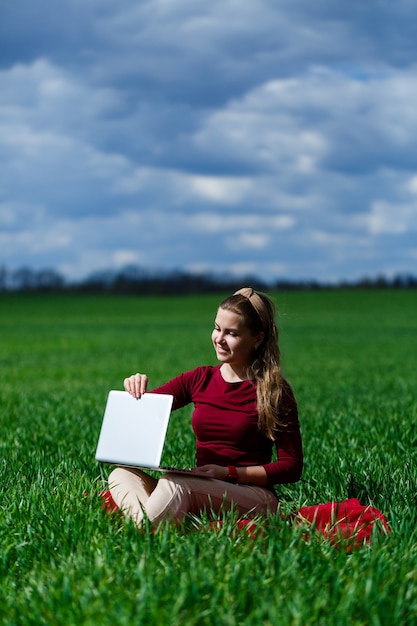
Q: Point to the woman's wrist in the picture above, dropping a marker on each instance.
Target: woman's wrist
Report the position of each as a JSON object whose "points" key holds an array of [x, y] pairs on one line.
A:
{"points": [[247, 475], [232, 475]]}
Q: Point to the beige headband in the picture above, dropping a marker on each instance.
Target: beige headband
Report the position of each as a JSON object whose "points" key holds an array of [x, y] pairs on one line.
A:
{"points": [[257, 303]]}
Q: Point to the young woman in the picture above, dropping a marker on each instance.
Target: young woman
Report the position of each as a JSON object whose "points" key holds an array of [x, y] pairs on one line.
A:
{"points": [[243, 407]]}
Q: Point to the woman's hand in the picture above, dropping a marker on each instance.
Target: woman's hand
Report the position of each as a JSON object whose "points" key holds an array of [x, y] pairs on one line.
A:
{"points": [[136, 385], [254, 475], [212, 471]]}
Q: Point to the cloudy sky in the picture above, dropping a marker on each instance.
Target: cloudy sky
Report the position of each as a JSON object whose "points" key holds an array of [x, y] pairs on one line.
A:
{"points": [[276, 138]]}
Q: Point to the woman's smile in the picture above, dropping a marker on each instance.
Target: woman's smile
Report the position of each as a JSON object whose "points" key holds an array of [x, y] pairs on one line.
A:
{"points": [[222, 348]]}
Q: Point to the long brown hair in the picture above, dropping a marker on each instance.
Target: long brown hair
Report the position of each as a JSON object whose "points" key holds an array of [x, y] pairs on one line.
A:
{"points": [[258, 312]]}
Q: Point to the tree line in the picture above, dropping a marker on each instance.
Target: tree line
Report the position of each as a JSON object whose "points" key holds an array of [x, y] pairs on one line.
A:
{"points": [[133, 280]]}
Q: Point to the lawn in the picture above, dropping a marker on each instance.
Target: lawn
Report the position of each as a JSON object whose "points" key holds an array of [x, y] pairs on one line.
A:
{"points": [[352, 361]]}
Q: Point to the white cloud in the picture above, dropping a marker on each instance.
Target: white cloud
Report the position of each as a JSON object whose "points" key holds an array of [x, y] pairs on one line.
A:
{"points": [[411, 185], [323, 118], [221, 190], [246, 240], [392, 218], [270, 139], [121, 258], [30, 242], [220, 222]]}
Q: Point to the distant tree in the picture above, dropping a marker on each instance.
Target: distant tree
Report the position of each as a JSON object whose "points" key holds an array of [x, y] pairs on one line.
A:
{"points": [[134, 280], [404, 281], [49, 280], [3, 278], [24, 279], [98, 281]]}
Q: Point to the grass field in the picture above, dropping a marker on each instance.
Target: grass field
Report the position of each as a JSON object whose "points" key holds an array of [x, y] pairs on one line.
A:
{"points": [[351, 358]]}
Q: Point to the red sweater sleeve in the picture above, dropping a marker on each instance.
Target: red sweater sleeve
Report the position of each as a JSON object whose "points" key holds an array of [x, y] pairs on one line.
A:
{"points": [[289, 464]]}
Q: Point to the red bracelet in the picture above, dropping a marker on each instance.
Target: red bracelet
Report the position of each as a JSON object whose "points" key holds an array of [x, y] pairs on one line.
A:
{"points": [[232, 475]]}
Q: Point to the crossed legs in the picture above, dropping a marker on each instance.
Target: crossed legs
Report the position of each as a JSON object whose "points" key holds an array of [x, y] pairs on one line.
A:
{"points": [[174, 495]]}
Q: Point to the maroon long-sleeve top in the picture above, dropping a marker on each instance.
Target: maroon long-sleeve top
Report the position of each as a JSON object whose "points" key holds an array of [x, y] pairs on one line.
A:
{"points": [[225, 424]]}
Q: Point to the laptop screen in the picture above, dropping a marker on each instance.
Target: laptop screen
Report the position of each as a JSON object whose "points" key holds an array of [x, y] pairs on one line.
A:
{"points": [[133, 431]]}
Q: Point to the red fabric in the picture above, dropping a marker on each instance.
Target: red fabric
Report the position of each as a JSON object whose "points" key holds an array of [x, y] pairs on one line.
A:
{"points": [[225, 423], [347, 522], [107, 501], [247, 525]]}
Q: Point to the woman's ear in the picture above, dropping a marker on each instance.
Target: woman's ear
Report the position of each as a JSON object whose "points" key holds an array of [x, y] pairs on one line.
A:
{"points": [[259, 339]]}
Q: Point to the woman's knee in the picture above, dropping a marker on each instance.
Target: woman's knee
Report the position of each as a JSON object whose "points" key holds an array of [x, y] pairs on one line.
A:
{"points": [[169, 501], [116, 477]]}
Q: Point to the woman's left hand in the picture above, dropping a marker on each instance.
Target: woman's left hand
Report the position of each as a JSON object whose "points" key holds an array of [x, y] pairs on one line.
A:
{"points": [[212, 471]]}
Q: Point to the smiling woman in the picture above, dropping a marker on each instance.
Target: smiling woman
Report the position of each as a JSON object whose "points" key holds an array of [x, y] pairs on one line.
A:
{"points": [[243, 408]]}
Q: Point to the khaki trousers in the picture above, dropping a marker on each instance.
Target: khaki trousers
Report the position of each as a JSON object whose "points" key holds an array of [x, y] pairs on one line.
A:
{"points": [[172, 496]]}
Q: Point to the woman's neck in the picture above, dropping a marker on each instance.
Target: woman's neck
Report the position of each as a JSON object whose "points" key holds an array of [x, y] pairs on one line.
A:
{"points": [[235, 373]]}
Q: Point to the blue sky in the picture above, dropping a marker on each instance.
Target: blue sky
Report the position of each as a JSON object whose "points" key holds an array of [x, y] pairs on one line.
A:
{"points": [[243, 137]]}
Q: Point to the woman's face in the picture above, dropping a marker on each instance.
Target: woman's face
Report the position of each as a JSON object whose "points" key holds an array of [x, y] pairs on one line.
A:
{"points": [[232, 339]]}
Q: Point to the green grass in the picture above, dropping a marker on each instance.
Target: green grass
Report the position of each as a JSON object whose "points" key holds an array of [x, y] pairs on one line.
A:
{"points": [[351, 359]]}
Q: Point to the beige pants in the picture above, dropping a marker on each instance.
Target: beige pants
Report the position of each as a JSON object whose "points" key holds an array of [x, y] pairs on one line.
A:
{"points": [[174, 495]]}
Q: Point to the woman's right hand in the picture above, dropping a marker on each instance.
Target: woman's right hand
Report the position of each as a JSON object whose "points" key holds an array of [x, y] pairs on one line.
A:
{"points": [[136, 385]]}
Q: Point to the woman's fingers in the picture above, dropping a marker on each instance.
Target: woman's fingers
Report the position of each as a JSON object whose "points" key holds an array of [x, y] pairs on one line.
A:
{"points": [[136, 384], [213, 471]]}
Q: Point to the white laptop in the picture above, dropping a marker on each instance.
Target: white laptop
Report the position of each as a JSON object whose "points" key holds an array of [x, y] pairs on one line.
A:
{"points": [[133, 431]]}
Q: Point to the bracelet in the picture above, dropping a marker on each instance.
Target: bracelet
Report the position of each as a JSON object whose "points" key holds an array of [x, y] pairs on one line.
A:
{"points": [[232, 476]]}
